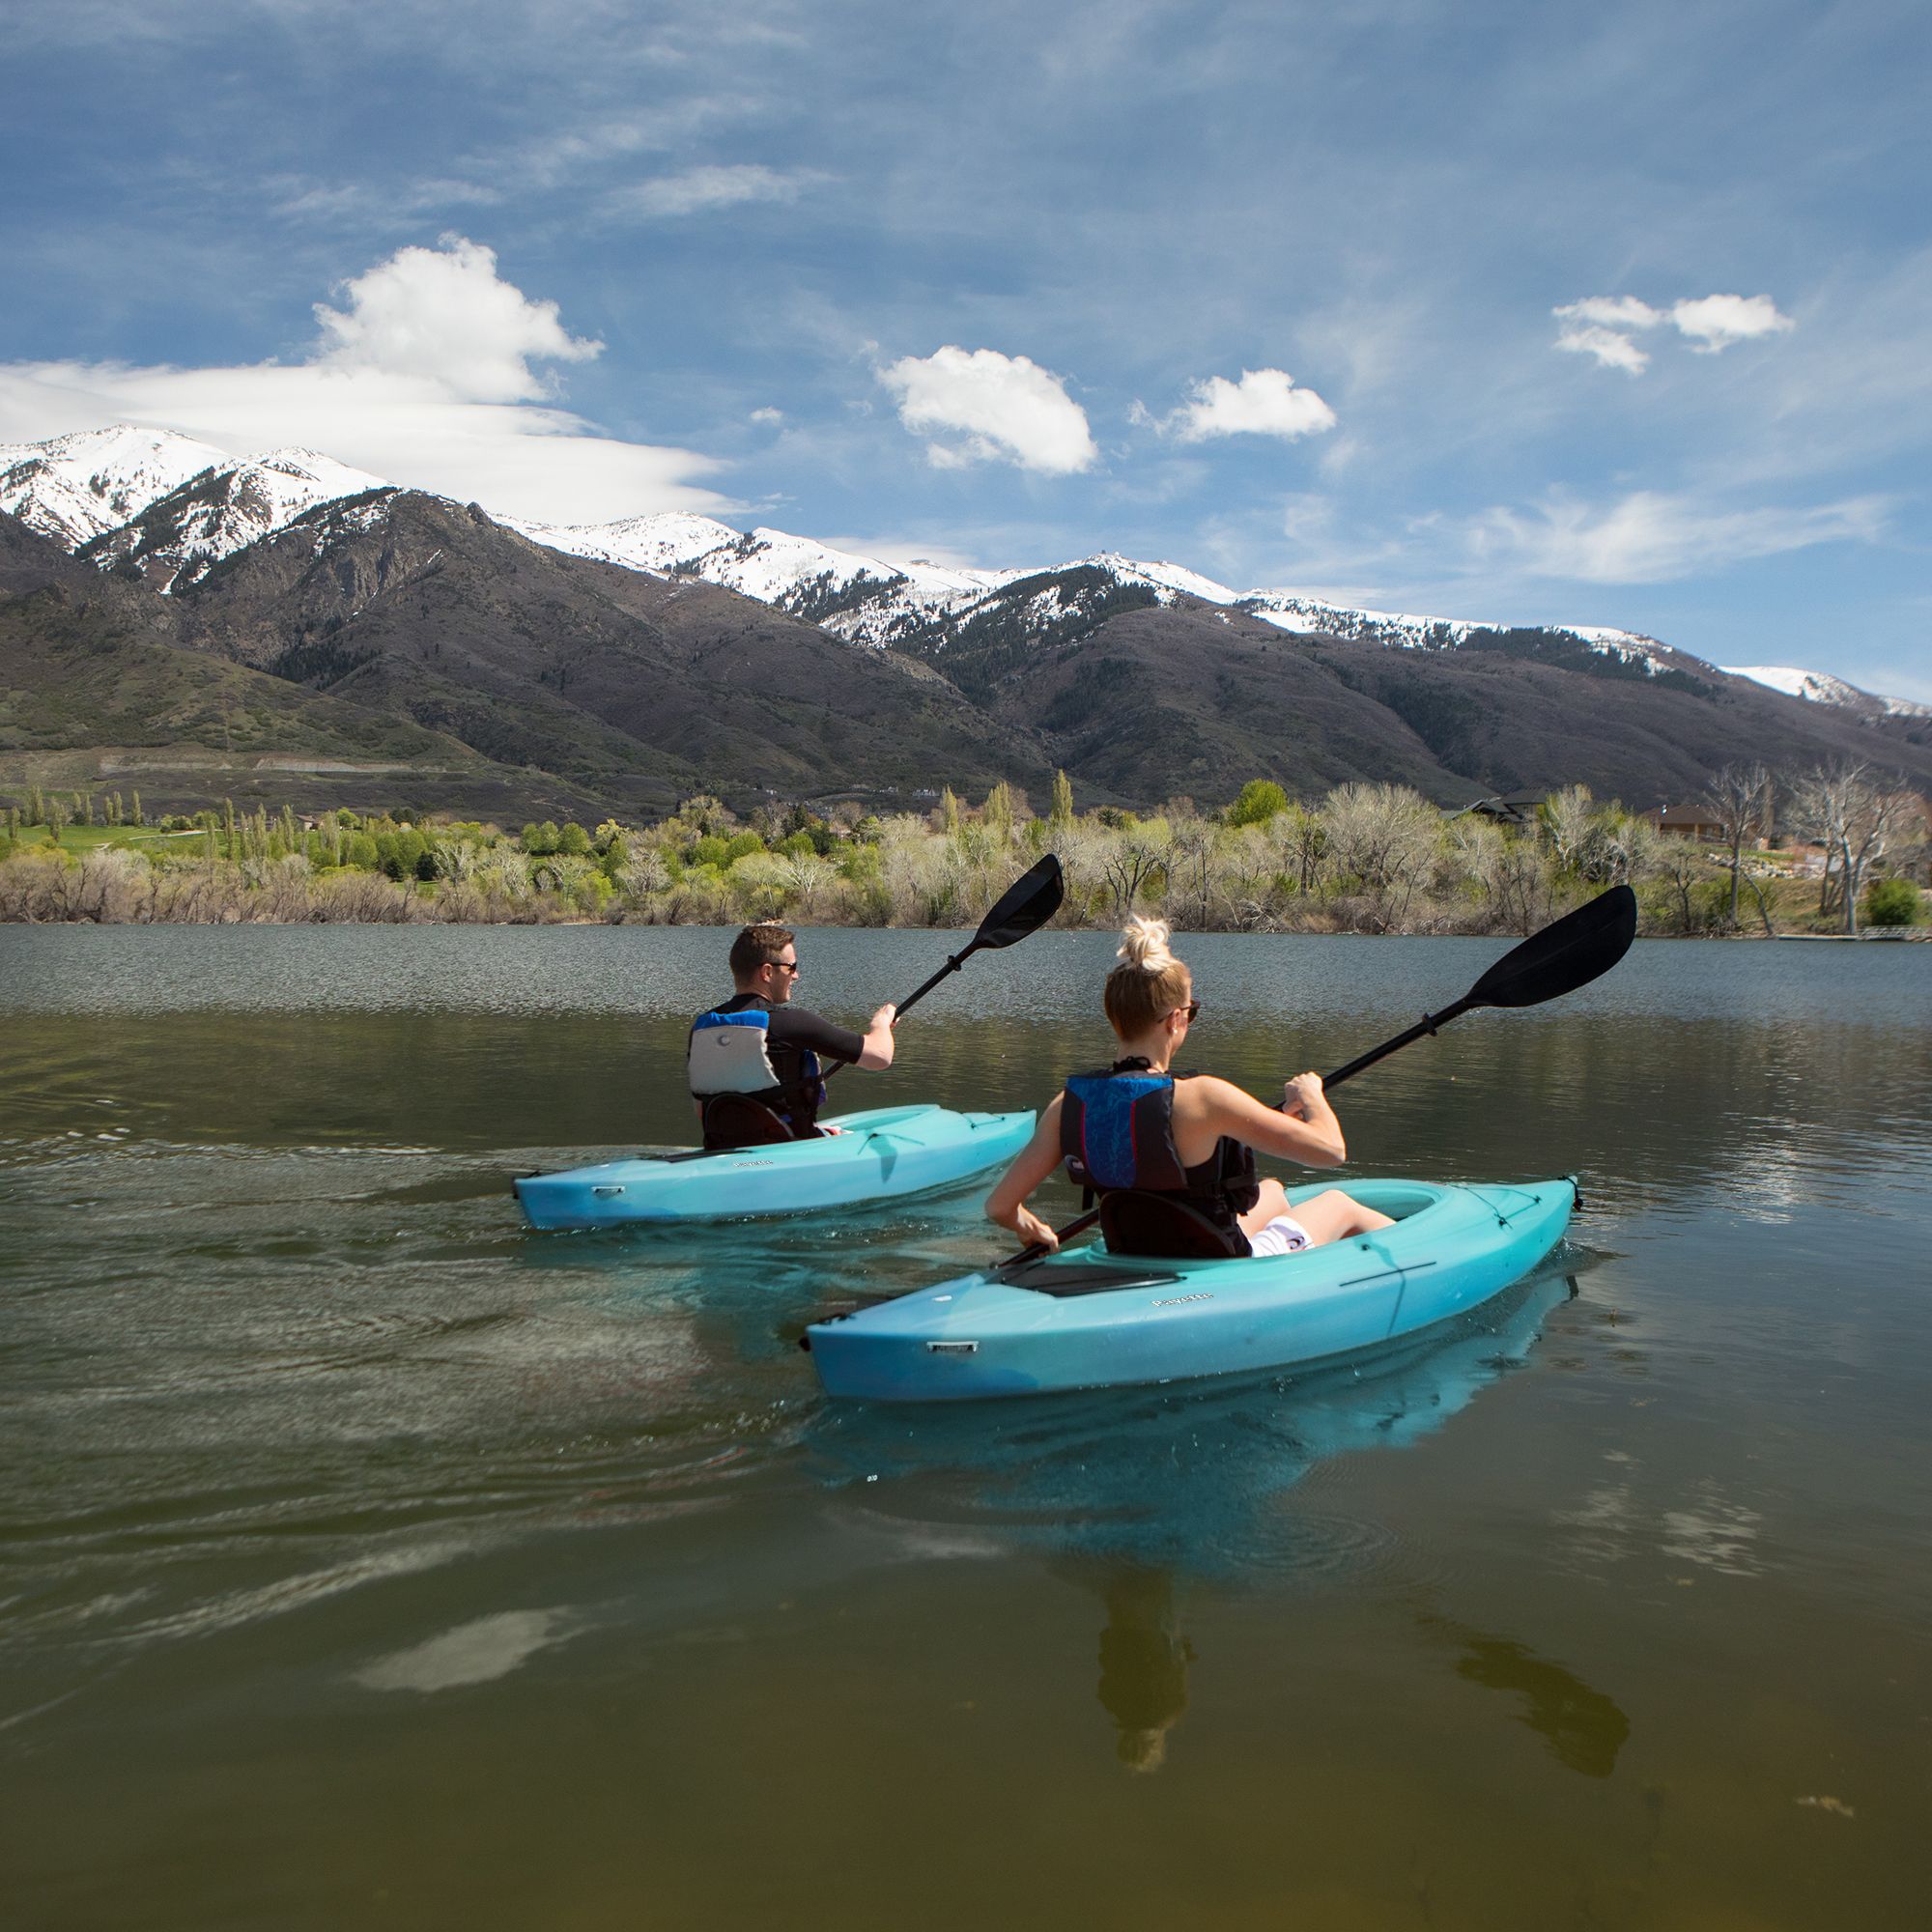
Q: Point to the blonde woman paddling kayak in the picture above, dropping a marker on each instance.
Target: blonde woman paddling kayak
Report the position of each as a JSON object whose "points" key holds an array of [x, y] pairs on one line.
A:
{"points": [[1136, 1130]]}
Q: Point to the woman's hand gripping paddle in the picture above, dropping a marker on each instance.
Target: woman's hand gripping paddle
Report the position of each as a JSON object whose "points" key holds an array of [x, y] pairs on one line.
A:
{"points": [[1026, 906], [1567, 954]]}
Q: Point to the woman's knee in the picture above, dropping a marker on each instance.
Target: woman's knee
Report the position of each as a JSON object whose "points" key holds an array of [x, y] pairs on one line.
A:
{"points": [[1272, 1200]]}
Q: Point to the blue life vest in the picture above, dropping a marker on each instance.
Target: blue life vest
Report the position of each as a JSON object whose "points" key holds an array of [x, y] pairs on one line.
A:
{"points": [[1116, 1135], [1118, 1130]]}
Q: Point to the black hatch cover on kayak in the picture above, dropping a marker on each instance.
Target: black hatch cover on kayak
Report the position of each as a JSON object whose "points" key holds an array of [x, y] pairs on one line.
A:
{"points": [[1082, 1278]]}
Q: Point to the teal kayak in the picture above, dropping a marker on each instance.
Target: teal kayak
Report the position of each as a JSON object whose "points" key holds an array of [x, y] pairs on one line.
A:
{"points": [[883, 1154], [1095, 1320]]}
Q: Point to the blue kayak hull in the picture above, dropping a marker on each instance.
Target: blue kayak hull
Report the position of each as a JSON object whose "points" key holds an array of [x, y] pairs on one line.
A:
{"points": [[1450, 1250], [883, 1154]]}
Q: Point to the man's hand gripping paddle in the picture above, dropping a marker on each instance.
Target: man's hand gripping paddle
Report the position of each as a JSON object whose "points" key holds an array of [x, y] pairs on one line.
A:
{"points": [[1026, 906]]}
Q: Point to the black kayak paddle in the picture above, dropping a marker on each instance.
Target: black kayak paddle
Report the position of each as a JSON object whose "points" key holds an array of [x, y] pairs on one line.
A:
{"points": [[1567, 954], [1026, 905]]}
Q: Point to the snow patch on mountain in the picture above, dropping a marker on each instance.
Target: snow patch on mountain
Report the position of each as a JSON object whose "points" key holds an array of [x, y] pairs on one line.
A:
{"points": [[75, 488], [658, 544], [177, 538], [1170, 577], [1817, 687], [861, 598], [1310, 617]]}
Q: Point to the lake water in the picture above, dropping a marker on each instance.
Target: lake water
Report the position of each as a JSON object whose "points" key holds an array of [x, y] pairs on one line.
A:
{"points": [[368, 1559]]}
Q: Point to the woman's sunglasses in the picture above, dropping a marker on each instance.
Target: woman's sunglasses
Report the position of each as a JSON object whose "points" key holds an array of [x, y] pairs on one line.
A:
{"points": [[1192, 1009]]}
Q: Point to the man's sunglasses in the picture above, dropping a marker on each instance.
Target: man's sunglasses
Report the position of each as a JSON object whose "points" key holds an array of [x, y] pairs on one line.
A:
{"points": [[785, 965]]}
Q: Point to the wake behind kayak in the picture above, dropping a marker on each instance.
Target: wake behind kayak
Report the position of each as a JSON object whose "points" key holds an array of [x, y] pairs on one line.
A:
{"points": [[883, 1154]]}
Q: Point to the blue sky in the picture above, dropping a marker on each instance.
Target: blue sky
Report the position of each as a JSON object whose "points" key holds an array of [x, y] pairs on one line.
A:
{"points": [[1270, 291]]}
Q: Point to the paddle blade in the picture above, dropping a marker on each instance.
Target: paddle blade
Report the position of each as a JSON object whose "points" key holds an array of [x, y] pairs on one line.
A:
{"points": [[1025, 907], [1571, 953]]}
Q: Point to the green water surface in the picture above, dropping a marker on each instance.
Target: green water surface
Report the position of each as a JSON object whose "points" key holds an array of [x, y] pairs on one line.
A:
{"points": [[368, 1559]]}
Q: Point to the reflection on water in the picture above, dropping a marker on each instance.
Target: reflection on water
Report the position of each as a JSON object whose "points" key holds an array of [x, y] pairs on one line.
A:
{"points": [[364, 1554], [1581, 1726], [1144, 1661], [1195, 1476]]}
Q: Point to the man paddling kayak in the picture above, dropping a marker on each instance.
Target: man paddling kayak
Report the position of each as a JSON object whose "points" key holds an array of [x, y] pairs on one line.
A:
{"points": [[755, 1063], [1173, 1157]]}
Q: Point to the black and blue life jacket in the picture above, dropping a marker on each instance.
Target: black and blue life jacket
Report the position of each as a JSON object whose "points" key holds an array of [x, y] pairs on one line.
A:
{"points": [[1116, 1136], [732, 1050]]}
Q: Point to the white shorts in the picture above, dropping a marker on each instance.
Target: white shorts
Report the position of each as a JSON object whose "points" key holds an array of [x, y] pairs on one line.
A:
{"points": [[1283, 1235]]}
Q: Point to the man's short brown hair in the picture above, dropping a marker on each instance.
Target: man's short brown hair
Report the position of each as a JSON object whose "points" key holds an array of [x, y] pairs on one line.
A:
{"points": [[758, 946]]}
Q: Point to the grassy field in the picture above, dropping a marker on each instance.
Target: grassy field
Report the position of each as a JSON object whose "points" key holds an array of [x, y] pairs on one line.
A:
{"points": [[91, 837]]}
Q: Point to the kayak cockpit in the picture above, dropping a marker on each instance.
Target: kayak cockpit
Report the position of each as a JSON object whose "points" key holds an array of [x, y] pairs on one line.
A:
{"points": [[1106, 1266]]}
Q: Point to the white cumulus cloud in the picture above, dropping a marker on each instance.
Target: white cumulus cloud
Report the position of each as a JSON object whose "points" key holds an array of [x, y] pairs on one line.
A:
{"points": [[424, 375], [1714, 321], [980, 406], [1265, 402], [1651, 537], [445, 314], [1601, 326]]}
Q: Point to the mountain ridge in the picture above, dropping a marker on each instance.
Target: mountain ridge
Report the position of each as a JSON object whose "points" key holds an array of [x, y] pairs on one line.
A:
{"points": [[856, 596], [642, 659]]}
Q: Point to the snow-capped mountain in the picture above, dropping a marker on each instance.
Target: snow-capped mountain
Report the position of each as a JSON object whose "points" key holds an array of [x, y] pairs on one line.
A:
{"points": [[179, 535], [1311, 617], [1817, 687], [859, 598], [174, 506], [920, 605], [75, 488]]}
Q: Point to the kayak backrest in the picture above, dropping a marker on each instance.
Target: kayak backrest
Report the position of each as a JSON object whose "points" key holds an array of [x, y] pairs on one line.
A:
{"points": [[1144, 1223], [737, 1120]]}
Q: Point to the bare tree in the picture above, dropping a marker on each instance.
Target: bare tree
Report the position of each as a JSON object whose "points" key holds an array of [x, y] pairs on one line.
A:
{"points": [[1678, 860], [1387, 836], [1571, 820], [1133, 857], [1857, 819], [1737, 797], [1191, 871]]}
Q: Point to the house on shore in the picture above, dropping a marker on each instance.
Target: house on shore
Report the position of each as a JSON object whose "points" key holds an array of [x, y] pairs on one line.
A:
{"points": [[1694, 821], [1517, 810]]}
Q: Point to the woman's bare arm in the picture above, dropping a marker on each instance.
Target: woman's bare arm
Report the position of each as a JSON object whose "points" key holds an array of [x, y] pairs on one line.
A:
{"points": [[1032, 1167], [1308, 1131]]}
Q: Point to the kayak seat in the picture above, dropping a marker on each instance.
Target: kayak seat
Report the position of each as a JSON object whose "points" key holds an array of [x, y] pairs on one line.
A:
{"points": [[737, 1120], [1144, 1223]]}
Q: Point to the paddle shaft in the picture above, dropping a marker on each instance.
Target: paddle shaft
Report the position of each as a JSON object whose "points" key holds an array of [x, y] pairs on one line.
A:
{"points": [[1427, 1024], [912, 999], [953, 965]]}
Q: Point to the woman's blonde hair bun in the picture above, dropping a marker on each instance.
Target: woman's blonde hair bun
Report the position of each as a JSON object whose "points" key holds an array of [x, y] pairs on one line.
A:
{"points": [[1144, 943]]}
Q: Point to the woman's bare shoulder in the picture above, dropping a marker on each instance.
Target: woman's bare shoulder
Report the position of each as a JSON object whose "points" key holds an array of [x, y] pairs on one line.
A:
{"points": [[1209, 1094]]}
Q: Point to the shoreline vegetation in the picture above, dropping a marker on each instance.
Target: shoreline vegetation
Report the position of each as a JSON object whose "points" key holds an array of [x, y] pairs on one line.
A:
{"points": [[1364, 859]]}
